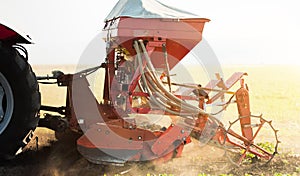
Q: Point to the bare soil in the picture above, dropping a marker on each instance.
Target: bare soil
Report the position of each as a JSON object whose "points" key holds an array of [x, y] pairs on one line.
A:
{"points": [[55, 157]]}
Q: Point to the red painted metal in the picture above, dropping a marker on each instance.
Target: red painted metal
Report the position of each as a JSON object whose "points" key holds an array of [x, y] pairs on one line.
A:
{"points": [[167, 139], [109, 128], [6, 33], [243, 105], [9, 36], [226, 86], [180, 35]]}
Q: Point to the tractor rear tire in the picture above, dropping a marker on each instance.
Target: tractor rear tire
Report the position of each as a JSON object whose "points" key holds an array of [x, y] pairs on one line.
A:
{"points": [[19, 102]]}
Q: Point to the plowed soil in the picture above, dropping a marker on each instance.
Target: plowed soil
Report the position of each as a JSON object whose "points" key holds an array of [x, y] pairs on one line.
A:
{"points": [[59, 157]]}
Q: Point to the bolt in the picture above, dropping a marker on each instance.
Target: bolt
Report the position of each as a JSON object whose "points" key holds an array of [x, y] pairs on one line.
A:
{"points": [[80, 121], [130, 140]]}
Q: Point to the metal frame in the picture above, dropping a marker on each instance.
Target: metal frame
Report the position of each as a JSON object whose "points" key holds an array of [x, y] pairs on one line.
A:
{"points": [[107, 127]]}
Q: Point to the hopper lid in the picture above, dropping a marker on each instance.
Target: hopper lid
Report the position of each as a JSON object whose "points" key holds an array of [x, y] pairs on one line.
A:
{"points": [[147, 9]]}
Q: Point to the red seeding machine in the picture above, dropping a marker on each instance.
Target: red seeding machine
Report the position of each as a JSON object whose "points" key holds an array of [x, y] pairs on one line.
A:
{"points": [[145, 40]]}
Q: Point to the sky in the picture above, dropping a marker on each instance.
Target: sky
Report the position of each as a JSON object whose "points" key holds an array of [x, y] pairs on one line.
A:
{"points": [[240, 32]]}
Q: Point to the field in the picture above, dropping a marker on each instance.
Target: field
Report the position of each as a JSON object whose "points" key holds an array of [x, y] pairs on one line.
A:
{"points": [[274, 92]]}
